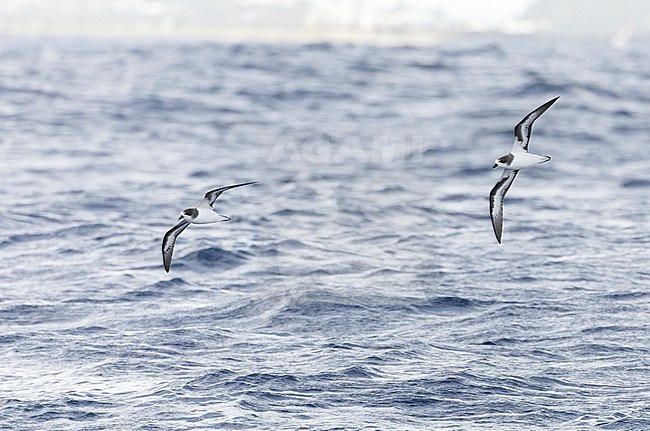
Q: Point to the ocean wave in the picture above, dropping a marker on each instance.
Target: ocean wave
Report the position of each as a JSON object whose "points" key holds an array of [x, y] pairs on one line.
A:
{"points": [[348, 292], [635, 183], [215, 258]]}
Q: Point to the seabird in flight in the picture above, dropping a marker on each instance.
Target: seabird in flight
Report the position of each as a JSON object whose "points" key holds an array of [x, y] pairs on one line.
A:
{"points": [[203, 214], [518, 158]]}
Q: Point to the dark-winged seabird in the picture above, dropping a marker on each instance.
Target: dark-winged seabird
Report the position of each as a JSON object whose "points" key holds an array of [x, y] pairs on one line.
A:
{"points": [[519, 158], [203, 214]]}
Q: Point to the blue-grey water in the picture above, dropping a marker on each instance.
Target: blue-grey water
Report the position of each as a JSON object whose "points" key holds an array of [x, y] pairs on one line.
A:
{"points": [[359, 284]]}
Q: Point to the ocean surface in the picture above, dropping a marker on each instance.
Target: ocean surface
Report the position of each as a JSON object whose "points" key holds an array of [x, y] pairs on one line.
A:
{"points": [[359, 285]]}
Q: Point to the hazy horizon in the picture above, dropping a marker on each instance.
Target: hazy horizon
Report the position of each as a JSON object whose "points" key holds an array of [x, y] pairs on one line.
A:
{"points": [[394, 21]]}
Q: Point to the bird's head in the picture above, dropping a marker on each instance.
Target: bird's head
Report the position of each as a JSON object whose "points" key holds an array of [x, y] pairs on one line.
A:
{"points": [[189, 214], [503, 161]]}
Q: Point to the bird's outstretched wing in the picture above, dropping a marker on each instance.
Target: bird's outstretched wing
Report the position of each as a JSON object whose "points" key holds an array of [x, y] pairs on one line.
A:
{"points": [[525, 126], [497, 194], [212, 195], [168, 242]]}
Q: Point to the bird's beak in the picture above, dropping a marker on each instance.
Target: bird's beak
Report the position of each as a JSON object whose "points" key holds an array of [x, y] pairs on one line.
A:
{"points": [[225, 217], [495, 165], [180, 217]]}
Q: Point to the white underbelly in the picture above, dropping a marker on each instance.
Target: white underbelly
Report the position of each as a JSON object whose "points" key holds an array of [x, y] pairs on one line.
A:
{"points": [[526, 160], [206, 217]]}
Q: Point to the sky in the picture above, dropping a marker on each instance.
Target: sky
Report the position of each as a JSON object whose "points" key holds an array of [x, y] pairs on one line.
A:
{"points": [[398, 20]]}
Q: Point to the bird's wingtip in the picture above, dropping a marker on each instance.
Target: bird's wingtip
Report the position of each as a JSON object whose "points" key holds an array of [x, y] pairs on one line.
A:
{"points": [[246, 184]]}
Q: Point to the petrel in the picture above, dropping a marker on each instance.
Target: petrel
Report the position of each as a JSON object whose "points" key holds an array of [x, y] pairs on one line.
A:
{"points": [[519, 158], [203, 214]]}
